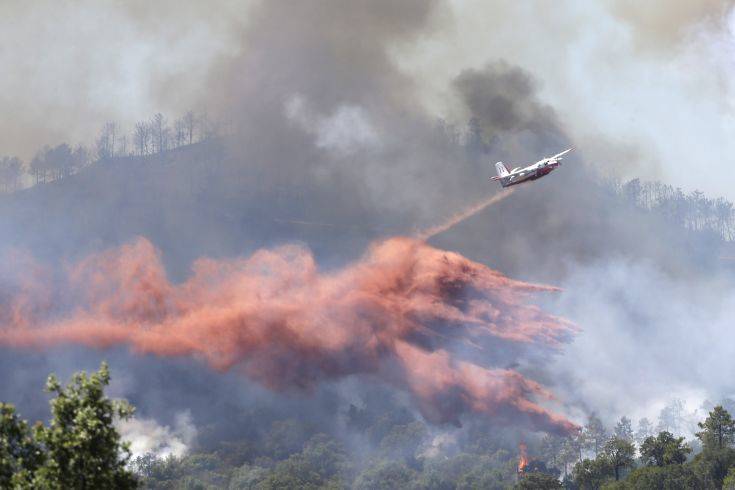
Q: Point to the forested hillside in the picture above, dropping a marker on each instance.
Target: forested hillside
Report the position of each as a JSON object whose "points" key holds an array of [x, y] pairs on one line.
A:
{"points": [[196, 189], [196, 197]]}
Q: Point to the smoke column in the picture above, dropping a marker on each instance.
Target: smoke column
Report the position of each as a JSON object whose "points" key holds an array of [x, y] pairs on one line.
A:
{"points": [[395, 314], [463, 215]]}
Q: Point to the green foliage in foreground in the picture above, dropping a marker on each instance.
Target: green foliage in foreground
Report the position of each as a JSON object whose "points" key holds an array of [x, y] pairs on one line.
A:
{"points": [[79, 449], [670, 477], [663, 462], [538, 481], [664, 450]]}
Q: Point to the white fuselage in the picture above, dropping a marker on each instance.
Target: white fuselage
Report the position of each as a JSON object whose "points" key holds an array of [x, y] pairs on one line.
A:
{"points": [[531, 172]]}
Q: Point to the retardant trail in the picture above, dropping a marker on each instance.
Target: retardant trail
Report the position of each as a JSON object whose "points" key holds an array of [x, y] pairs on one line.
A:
{"points": [[397, 314], [463, 215]]}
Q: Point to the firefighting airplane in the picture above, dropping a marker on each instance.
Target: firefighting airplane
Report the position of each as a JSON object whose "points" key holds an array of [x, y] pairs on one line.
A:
{"points": [[531, 172]]}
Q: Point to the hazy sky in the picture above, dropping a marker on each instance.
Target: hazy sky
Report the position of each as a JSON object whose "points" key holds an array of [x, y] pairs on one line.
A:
{"points": [[645, 90], [70, 66]]}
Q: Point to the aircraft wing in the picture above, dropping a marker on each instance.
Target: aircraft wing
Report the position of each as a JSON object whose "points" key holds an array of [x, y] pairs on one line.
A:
{"points": [[559, 155]]}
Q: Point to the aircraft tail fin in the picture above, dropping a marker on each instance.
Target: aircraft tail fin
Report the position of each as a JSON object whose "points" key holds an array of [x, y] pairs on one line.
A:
{"points": [[501, 169]]}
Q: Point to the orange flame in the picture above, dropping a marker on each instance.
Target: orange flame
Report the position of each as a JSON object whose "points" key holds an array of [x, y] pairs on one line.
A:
{"points": [[522, 458]]}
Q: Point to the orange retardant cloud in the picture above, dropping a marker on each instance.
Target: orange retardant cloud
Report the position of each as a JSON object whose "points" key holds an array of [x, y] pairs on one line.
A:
{"points": [[396, 314]]}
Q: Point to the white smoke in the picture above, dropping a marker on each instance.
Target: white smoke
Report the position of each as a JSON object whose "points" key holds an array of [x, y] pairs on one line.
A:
{"points": [[146, 436], [345, 131], [647, 338], [442, 443], [55, 73]]}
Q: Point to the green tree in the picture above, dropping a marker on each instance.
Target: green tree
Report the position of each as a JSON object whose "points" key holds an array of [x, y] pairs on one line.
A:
{"points": [[718, 429], [551, 450], [81, 157], [11, 170], [594, 434], [39, 165], [468, 471], [247, 477], [538, 481], [286, 437], [729, 482], [671, 417], [712, 465], [20, 454], [61, 161], [571, 452], [663, 450], [83, 448], [80, 449], [591, 474], [385, 475], [486, 478], [672, 477], [619, 454], [403, 442], [645, 429], [321, 464], [624, 429]]}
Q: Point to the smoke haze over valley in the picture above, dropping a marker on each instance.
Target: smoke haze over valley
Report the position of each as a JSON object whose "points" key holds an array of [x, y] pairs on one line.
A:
{"points": [[279, 213]]}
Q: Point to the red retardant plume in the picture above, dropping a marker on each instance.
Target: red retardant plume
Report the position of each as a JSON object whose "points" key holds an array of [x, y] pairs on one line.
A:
{"points": [[393, 315]]}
